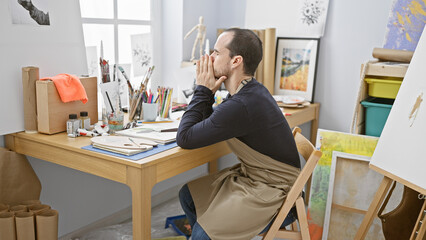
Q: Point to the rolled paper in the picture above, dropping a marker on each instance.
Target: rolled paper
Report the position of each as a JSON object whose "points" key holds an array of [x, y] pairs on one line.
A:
{"points": [[269, 59], [4, 207], [30, 202], [25, 226], [29, 77], [47, 225], [7, 226], [18, 208], [393, 55], [38, 208]]}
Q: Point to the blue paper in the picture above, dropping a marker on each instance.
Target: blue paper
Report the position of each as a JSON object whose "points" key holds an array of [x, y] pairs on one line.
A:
{"points": [[155, 150]]}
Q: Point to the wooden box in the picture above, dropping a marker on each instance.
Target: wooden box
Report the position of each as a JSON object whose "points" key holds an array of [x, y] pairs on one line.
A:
{"points": [[52, 113]]}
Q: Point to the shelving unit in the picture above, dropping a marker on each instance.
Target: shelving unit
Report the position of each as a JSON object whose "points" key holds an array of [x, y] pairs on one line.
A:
{"points": [[374, 69]]}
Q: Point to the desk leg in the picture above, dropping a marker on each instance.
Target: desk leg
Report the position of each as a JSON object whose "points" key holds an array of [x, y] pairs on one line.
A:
{"points": [[314, 127], [314, 131], [374, 208], [141, 182]]}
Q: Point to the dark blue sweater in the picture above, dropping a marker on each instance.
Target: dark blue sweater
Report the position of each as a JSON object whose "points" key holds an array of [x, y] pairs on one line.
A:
{"points": [[251, 115]]}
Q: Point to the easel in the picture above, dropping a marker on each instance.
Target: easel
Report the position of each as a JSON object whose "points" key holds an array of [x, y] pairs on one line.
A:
{"points": [[419, 229]]}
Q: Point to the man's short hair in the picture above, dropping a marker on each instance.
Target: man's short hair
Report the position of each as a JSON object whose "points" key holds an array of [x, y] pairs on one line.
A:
{"points": [[248, 45]]}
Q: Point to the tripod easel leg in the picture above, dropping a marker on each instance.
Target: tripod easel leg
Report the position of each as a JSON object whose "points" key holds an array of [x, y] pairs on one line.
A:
{"points": [[419, 231], [374, 208]]}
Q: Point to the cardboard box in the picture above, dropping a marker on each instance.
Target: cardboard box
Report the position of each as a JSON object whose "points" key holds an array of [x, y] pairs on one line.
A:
{"points": [[52, 113]]}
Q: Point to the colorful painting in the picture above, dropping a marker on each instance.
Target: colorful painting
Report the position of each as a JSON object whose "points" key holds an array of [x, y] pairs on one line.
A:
{"points": [[295, 69], [296, 62], [327, 142], [405, 26]]}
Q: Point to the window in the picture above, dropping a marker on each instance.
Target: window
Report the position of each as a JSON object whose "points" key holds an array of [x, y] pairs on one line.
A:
{"points": [[114, 22]]}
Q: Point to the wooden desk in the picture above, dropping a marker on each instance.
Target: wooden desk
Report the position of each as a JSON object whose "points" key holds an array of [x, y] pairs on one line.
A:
{"points": [[140, 176], [300, 116]]}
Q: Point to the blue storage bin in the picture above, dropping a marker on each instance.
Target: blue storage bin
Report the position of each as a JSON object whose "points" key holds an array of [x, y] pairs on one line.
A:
{"points": [[376, 113]]}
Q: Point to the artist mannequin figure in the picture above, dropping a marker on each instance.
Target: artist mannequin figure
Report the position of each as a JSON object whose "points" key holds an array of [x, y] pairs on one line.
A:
{"points": [[201, 36], [238, 202]]}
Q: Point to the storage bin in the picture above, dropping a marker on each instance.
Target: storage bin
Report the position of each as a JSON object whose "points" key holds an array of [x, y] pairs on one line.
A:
{"points": [[383, 87], [376, 113]]}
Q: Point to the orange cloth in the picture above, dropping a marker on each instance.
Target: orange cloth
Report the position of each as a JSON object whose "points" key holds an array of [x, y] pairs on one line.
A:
{"points": [[69, 87]]}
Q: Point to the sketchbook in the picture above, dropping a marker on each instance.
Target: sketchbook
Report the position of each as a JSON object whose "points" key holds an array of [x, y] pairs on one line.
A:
{"points": [[124, 151], [123, 145], [150, 134]]}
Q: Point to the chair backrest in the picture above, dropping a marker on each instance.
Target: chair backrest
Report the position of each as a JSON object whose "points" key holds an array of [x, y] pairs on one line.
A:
{"points": [[308, 151], [311, 155], [304, 146]]}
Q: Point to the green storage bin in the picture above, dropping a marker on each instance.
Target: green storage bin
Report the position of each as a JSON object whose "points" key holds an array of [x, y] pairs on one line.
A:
{"points": [[376, 113]]}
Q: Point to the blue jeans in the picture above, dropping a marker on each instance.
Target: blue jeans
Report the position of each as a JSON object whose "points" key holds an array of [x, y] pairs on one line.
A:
{"points": [[198, 232]]}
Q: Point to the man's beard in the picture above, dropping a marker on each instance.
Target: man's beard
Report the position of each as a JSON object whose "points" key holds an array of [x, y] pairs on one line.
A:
{"points": [[222, 72]]}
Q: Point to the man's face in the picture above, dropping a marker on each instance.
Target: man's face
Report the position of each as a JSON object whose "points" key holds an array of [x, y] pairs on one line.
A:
{"points": [[220, 55]]}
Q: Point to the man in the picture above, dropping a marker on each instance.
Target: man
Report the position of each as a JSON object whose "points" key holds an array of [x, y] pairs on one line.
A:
{"points": [[238, 202]]}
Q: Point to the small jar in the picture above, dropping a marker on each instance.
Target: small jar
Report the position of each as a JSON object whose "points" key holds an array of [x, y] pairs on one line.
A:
{"points": [[72, 125], [84, 121]]}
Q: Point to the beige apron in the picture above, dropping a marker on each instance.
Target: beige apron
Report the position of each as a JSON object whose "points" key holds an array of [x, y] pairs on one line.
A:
{"points": [[239, 202]]}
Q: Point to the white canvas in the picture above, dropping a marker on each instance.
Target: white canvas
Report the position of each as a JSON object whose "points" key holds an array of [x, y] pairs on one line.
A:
{"points": [[401, 147], [304, 18]]}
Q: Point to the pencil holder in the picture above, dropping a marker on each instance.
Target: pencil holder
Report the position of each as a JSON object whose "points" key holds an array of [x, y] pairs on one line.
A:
{"points": [[149, 112]]}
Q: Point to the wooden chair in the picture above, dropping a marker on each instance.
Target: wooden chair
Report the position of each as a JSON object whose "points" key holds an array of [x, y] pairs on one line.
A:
{"points": [[294, 197]]}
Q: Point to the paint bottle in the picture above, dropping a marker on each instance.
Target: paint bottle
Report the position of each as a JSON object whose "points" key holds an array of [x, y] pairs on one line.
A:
{"points": [[84, 120], [72, 125]]}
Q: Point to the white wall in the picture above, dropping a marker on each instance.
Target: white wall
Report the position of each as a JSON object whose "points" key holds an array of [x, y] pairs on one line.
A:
{"points": [[353, 29]]}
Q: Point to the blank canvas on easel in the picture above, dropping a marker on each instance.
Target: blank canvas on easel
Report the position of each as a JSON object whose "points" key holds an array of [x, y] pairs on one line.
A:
{"points": [[400, 153]]}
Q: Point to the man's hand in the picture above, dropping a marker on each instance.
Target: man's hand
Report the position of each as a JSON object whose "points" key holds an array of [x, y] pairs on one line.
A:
{"points": [[205, 74], [27, 4]]}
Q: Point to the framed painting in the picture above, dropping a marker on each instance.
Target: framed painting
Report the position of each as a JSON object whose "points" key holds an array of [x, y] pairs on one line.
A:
{"points": [[327, 142], [295, 67]]}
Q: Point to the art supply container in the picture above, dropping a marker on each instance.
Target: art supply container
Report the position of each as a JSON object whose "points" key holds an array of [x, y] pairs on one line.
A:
{"points": [[383, 87], [84, 120], [149, 111], [115, 121], [72, 125], [376, 113]]}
